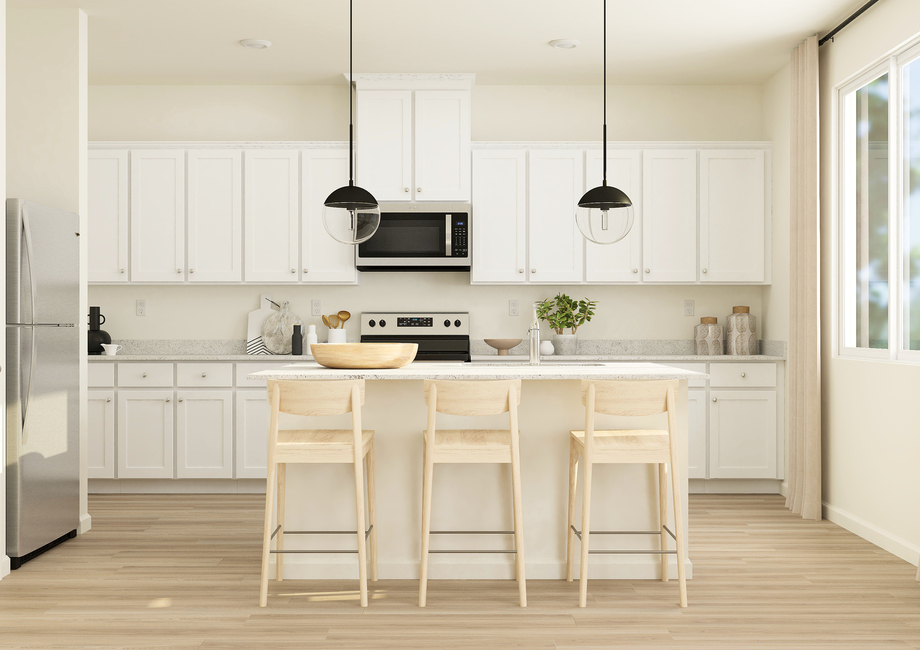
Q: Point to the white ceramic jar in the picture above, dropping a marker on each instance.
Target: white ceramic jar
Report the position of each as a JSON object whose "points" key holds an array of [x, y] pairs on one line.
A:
{"points": [[709, 336], [742, 332]]}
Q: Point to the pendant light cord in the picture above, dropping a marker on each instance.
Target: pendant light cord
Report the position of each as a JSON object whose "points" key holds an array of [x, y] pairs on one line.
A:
{"points": [[605, 93], [351, 92]]}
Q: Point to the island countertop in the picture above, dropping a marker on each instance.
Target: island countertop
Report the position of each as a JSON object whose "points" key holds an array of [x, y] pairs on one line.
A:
{"points": [[596, 370]]}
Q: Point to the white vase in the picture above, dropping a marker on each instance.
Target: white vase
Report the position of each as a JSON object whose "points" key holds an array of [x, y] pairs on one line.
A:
{"points": [[546, 348], [565, 345]]}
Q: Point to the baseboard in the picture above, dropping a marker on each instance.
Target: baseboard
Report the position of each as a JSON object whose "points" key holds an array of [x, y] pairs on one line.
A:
{"points": [[784, 488], [86, 523], [872, 533], [616, 568], [176, 486], [735, 486], [4, 566]]}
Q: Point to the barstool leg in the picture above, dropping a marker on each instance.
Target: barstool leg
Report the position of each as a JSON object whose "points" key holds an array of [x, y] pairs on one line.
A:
{"points": [[570, 534], [678, 528], [279, 544], [427, 480], [519, 563], [663, 516], [372, 509], [585, 534], [359, 512], [267, 533]]}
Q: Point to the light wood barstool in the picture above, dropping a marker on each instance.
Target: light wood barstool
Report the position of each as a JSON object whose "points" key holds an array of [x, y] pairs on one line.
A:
{"points": [[626, 398], [472, 398], [319, 398]]}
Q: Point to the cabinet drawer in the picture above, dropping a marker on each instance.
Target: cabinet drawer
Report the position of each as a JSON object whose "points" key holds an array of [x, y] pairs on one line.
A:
{"points": [[145, 374], [243, 369], [100, 375], [695, 367], [204, 374], [761, 375]]}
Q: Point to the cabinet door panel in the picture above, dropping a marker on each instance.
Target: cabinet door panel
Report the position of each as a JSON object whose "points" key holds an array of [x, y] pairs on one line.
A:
{"points": [[204, 434], [442, 145], [499, 240], [696, 406], [251, 433], [158, 216], [742, 434], [669, 220], [732, 216], [325, 260], [384, 143], [271, 216], [556, 179], [145, 434], [100, 438], [215, 216], [107, 221], [622, 261]]}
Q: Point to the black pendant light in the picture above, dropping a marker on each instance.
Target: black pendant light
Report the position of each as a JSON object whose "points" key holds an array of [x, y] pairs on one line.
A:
{"points": [[604, 214], [351, 215]]}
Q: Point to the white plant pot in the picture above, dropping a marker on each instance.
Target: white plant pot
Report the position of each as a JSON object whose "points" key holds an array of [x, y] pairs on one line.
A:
{"points": [[565, 345]]}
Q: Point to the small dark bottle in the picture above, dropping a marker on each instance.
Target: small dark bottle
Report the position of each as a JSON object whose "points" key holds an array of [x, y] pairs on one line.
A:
{"points": [[297, 341]]}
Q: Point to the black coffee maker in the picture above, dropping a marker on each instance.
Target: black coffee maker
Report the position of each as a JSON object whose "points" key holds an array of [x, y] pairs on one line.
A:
{"points": [[96, 337]]}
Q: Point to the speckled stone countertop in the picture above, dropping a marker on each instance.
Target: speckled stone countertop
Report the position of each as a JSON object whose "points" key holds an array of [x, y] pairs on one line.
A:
{"points": [[683, 358]]}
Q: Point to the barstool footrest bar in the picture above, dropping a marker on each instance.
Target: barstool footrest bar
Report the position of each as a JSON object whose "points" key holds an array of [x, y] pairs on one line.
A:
{"points": [[632, 552], [472, 551], [472, 532], [298, 551], [673, 536], [623, 532], [323, 532], [275, 533]]}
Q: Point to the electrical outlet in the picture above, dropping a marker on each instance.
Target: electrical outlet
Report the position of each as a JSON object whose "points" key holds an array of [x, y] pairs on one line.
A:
{"points": [[317, 307], [141, 307], [514, 307], [688, 308]]}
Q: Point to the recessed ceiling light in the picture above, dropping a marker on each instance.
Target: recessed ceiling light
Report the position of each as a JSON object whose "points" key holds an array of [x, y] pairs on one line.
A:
{"points": [[565, 43], [256, 43]]}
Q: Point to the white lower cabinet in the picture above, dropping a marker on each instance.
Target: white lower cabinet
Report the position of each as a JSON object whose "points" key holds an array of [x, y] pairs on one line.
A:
{"points": [[251, 433], [100, 437], [204, 434], [742, 434], [145, 434], [696, 407]]}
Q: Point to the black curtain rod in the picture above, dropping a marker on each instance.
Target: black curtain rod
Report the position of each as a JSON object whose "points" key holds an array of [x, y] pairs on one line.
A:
{"points": [[856, 14]]}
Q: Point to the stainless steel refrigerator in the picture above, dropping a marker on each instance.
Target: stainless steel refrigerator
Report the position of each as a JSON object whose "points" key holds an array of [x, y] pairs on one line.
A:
{"points": [[42, 388]]}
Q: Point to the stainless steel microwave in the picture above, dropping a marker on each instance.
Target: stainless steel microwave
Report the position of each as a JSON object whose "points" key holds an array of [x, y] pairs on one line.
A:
{"points": [[419, 237]]}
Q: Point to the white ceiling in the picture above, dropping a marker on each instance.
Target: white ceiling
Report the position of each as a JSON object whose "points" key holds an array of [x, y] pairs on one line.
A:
{"points": [[502, 41]]}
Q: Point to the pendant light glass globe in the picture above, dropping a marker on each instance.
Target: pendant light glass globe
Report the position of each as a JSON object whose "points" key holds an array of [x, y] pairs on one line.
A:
{"points": [[604, 215], [351, 215]]}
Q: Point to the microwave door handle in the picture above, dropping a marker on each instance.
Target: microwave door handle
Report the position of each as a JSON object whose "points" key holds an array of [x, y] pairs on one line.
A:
{"points": [[447, 234]]}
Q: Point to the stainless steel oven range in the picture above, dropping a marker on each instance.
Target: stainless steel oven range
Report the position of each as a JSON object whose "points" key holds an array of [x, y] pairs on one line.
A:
{"points": [[441, 336]]}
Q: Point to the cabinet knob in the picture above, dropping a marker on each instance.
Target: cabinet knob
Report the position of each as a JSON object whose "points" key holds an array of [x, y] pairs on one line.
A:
{"points": [[742, 374], [704, 270], [293, 270], [714, 399], [418, 189], [167, 399], [635, 270], [108, 399], [204, 374], [144, 375], [180, 399], [406, 189], [648, 270], [533, 270], [306, 270], [191, 270], [520, 270], [178, 270], [122, 270]]}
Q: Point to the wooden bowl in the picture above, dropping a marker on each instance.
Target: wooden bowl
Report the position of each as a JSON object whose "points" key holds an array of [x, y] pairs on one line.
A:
{"points": [[364, 355], [503, 345]]}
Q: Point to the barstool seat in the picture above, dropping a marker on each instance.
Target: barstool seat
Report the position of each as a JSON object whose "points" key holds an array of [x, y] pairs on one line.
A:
{"points": [[472, 446], [320, 445], [625, 445]]}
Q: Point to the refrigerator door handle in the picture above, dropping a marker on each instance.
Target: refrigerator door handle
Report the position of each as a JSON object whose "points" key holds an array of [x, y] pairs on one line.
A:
{"points": [[26, 388], [27, 236]]}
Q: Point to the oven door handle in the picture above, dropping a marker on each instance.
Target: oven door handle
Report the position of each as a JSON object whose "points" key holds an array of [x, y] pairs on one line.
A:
{"points": [[447, 240]]}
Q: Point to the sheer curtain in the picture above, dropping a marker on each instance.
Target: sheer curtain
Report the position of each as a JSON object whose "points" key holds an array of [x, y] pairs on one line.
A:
{"points": [[804, 493]]}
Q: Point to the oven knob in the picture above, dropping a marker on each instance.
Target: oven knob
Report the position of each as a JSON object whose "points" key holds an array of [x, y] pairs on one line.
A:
{"points": [[383, 323], [447, 323], [372, 323], [456, 323]]}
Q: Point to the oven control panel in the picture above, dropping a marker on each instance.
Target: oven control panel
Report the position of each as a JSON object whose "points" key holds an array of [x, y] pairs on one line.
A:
{"points": [[415, 323]]}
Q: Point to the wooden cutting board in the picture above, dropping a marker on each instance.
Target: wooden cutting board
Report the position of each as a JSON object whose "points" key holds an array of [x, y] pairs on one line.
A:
{"points": [[254, 344]]}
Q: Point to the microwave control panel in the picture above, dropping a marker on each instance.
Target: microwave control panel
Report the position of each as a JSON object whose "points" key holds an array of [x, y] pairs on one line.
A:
{"points": [[460, 247]]}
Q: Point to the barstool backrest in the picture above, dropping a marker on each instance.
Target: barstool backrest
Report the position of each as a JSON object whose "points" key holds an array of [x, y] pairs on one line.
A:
{"points": [[316, 398], [456, 397], [634, 397]]}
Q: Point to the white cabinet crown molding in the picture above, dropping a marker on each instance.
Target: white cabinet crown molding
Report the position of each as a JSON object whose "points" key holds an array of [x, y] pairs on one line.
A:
{"points": [[228, 144], [621, 144], [413, 80]]}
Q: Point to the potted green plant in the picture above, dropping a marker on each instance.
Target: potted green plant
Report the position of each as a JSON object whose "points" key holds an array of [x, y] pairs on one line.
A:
{"points": [[563, 312]]}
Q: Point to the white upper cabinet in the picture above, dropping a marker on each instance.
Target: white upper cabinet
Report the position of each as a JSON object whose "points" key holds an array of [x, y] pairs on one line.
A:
{"points": [[384, 144], [215, 209], [107, 258], [499, 233], [158, 215], [271, 215], [669, 215], [442, 145], [325, 260], [732, 214], [622, 261], [556, 246]]}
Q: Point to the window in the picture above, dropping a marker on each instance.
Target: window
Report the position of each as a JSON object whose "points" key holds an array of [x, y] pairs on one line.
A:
{"points": [[879, 216]]}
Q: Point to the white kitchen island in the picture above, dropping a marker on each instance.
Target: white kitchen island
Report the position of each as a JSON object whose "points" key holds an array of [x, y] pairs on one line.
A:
{"points": [[470, 497]]}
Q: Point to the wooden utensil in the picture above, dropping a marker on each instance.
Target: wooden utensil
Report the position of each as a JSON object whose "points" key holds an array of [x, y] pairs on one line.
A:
{"points": [[344, 316], [326, 322], [333, 321]]}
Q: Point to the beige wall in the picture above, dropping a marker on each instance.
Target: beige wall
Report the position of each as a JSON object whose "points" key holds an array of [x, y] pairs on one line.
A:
{"points": [[870, 433], [548, 113], [302, 113], [47, 130]]}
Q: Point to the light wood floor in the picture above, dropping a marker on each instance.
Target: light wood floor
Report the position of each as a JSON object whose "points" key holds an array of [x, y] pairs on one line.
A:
{"points": [[182, 571]]}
